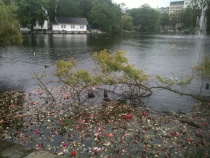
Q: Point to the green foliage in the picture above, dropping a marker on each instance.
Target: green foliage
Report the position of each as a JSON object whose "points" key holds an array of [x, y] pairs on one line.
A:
{"points": [[164, 20], [119, 63], [188, 17], [106, 16], [30, 11], [172, 81], [68, 8], [9, 26], [127, 22], [203, 70], [113, 69], [145, 18]]}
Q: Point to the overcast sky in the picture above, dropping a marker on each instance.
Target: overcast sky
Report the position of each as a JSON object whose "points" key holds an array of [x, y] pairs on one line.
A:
{"points": [[137, 3]]}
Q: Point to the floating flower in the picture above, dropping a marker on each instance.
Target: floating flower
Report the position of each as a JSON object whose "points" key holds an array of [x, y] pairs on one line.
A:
{"points": [[65, 145], [206, 124], [130, 116], [96, 150], [111, 135], [175, 133], [33, 103], [37, 132], [144, 114], [73, 153], [79, 128], [117, 151], [40, 146]]}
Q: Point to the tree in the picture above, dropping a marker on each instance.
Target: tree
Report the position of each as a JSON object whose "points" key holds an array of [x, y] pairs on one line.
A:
{"points": [[9, 26], [145, 18], [68, 8], [112, 70], [114, 73], [106, 16], [51, 6], [86, 7], [174, 20], [127, 22], [164, 20], [31, 11]]}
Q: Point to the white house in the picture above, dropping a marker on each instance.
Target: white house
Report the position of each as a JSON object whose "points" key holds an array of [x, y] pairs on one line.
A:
{"points": [[43, 27], [70, 24]]}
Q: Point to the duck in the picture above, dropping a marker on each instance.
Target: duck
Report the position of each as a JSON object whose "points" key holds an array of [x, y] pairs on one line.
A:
{"points": [[91, 95], [106, 98], [207, 86], [46, 66]]}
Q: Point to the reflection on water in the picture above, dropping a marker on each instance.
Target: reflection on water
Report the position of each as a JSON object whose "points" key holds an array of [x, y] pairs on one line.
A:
{"points": [[157, 54]]}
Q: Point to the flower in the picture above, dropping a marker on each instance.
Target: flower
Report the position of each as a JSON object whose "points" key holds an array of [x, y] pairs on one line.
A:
{"points": [[130, 116], [117, 151], [73, 153], [40, 146], [206, 124], [144, 114], [37, 132], [65, 145], [96, 150], [79, 128], [175, 133], [111, 135]]}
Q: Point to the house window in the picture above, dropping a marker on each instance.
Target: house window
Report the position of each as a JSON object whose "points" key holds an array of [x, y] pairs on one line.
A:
{"points": [[82, 27], [63, 26], [73, 26]]}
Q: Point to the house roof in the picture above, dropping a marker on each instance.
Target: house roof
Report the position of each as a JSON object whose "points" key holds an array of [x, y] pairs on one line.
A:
{"points": [[177, 3], [68, 20]]}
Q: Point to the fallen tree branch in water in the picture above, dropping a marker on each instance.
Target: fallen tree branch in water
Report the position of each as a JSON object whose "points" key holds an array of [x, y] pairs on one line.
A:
{"points": [[198, 97], [44, 86]]}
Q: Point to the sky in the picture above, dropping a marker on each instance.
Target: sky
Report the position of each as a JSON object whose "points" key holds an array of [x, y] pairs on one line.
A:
{"points": [[137, 3]]}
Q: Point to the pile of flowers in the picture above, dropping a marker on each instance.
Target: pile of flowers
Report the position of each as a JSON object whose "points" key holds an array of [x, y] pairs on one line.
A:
{"points": [[107, 130]]}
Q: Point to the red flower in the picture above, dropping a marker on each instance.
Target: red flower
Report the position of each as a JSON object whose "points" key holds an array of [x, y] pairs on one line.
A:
{"points": [[175, 133], [206, 124], [33, 103], [117, 151], [95, 151], [37, 132], [144, 114], [69, 135], [130, 116], [79, 128], [65, 145], [73, 153], [41, 146]]}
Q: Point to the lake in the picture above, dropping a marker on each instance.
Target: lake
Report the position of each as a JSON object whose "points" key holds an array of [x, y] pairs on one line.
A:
{"points": [[169, 55]]}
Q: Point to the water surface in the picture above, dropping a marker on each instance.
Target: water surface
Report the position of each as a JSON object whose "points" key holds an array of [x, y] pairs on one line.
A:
{"points": [[169, 55]]}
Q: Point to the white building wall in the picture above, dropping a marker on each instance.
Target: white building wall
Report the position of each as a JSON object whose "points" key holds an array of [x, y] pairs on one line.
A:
{"points": [[186, 3], [69, 27], [39, 27]]}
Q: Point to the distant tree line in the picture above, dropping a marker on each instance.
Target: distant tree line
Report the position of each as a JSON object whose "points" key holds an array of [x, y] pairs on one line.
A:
{"points": [[101, 14]]}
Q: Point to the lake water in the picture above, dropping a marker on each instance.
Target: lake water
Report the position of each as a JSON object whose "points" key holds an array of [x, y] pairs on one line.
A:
{"points": [[169, 55]]}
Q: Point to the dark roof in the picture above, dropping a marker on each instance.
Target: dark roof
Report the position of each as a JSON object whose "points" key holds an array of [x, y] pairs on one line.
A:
{"points": [[67, 20], [177, 3]]}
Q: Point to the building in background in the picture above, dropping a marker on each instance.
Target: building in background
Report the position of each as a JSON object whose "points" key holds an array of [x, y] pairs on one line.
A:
{"points": [[177, 6], [163, 10]]}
